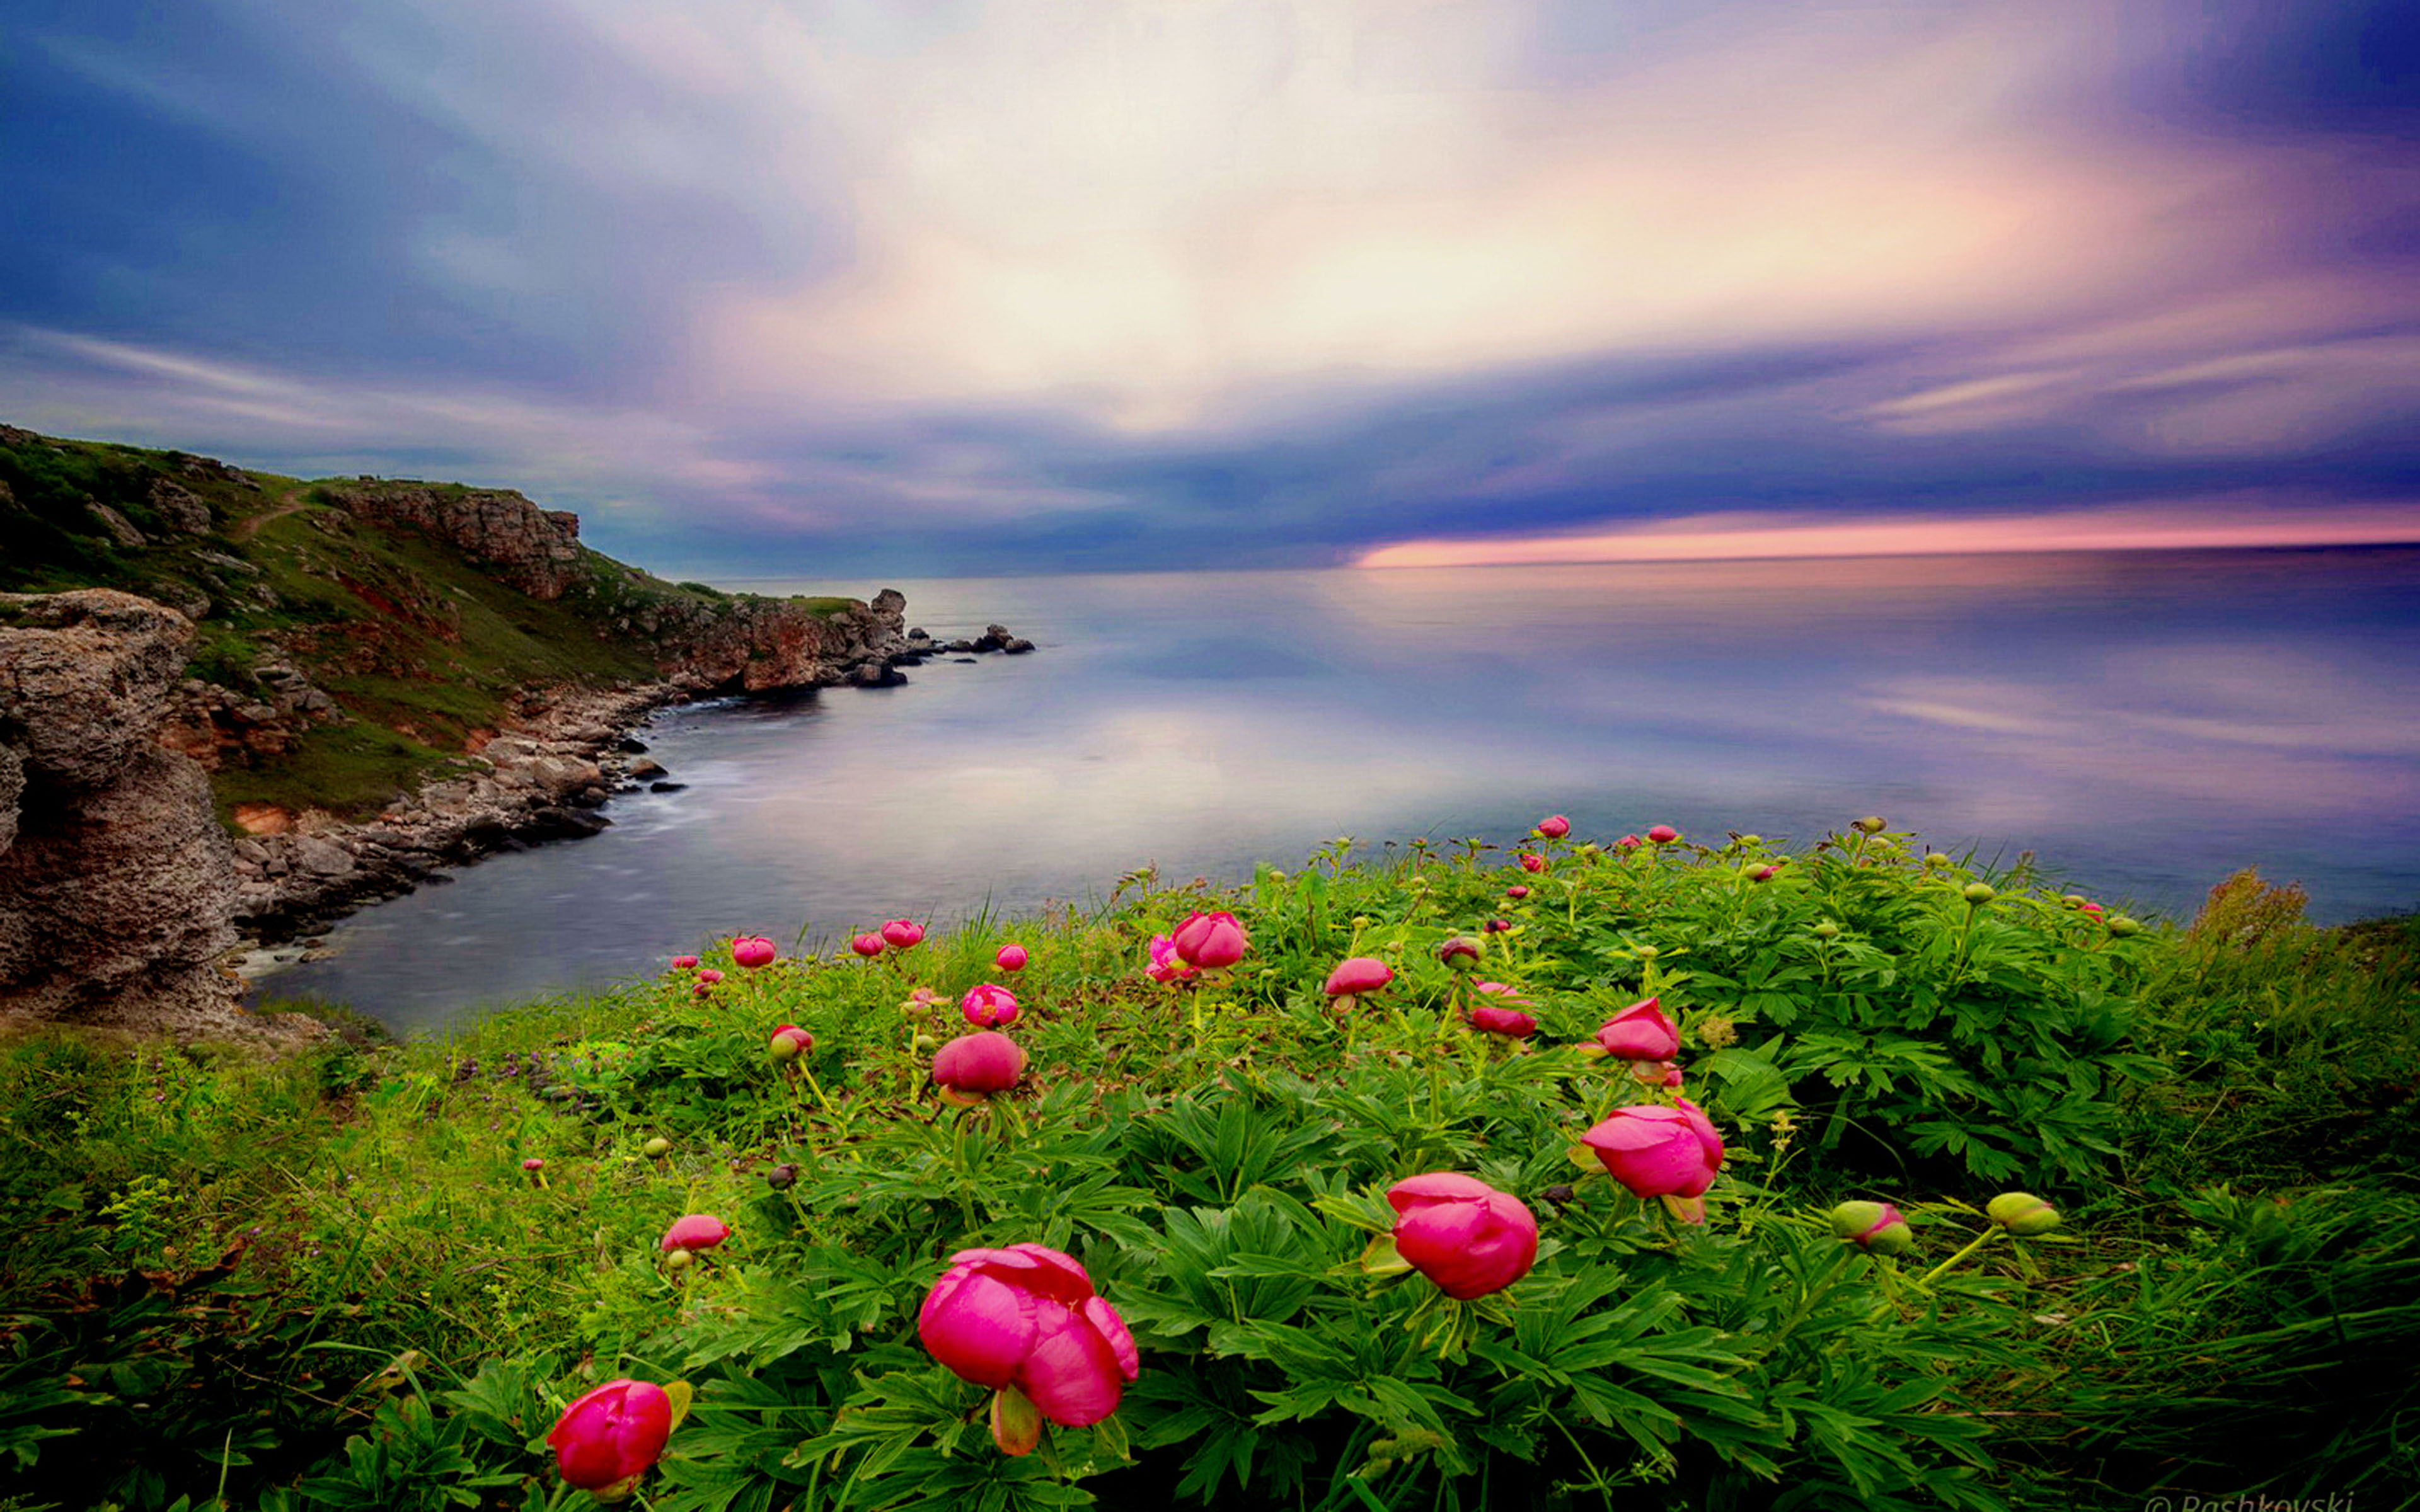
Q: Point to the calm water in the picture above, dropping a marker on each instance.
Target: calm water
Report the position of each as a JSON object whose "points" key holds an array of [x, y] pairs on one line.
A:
{"points": [[2146, 722]]}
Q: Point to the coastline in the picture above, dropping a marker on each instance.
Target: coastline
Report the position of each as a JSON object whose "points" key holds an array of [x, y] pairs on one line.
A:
{"points": [[543, 778]]}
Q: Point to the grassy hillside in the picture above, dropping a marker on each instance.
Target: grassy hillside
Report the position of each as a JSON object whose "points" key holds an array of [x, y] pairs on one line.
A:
{"points": [[418, 645], [336, 1282]]}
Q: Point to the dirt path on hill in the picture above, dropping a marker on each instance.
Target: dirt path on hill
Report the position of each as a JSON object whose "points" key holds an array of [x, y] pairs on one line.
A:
{"points": [[287, 503]]}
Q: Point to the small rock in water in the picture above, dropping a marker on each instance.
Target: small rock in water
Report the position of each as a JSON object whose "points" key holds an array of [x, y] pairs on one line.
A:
{"points": [[667, 787]]}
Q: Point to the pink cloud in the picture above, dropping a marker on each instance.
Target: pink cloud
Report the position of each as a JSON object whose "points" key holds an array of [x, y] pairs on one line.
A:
{"points": [[2150, 527]]}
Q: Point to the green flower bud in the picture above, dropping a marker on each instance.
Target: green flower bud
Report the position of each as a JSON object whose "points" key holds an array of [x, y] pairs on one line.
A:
{"points": [[2072, 900], [679, 1259], [2022, 1213], [656, 1148], [1752, 839], [1647, 953], [1936, 858], [2120, 926], [1827, 931], [1979, 893], [1873, 1226], [1872, 824]]}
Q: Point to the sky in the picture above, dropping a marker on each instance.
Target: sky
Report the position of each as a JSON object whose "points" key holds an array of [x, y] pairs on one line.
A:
{"points": [[845, 287]]}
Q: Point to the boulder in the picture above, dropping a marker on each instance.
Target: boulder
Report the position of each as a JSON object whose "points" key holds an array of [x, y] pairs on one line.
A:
{"points": [[117, 886]]}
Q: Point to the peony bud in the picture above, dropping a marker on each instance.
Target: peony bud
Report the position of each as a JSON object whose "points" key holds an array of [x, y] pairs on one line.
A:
{"points": [[867, 944], [1639, 1032], [604, 1441], [1464, 1234], [1496, 926], [1516, 892], [1010, 958], [656, 1148], [1826, 930], [684, 963], [1554, 826], [533, 1164], [1628, 842], [1663, 835], [1872, 823], [708, 977], [1873, 1226], [977, 1065], [1533, 862], [694, 1231], [752, 951], [1459, 953], [2022, 1213], [789, 1043], [783, 1177], [1979, 893], [903, 933], [1210, 942], [1359, 975], [2120, 926]]}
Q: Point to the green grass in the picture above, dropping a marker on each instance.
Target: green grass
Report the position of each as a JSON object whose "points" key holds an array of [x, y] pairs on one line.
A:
{"points": [[352, 771], [2224, 1310]]}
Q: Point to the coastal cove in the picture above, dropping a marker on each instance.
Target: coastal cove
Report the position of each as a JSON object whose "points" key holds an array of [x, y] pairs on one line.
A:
{"points": [[2145, 722]]}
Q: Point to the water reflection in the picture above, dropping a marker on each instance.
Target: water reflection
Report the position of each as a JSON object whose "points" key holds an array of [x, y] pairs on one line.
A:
{"points": [[2146, 723]]}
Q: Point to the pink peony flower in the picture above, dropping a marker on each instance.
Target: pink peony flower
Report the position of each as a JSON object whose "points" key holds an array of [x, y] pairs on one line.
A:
{"points": [[1639, 1032], [1027, 1317], [1357, 974], [1658, 1152], [1554, 826], [709, 975], [698, 1230], [611, 1435], [903, 933], [1516, 892], [1210, 941], [1628, 842], [752, 951], [1504, 1017], [867, 944], [684, 963], [978, 1065], [1010, 958], [1166, 965], [1463, 1234], [533, 1164], [989, 1007], [1531, 861], [1663, 835]]}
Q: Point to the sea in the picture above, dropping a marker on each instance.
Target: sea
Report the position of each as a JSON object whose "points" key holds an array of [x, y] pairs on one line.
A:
{"points": [[2144, 723]]}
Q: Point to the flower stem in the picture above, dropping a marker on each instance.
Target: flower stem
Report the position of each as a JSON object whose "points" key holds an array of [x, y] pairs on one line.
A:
{"points": [[1929, 1277]]}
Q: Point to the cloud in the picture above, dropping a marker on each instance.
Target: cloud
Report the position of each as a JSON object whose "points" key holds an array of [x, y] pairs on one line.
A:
{"points": [[981, 286], [2172, 527]]}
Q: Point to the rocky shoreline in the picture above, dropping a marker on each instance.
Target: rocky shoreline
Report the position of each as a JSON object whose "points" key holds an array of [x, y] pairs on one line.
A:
{"points": [[125, 903], [545, 776]]}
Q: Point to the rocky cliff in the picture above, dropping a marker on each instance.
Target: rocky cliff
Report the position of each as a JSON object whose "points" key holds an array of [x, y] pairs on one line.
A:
{"points": [[116, 883], [368, 680]]}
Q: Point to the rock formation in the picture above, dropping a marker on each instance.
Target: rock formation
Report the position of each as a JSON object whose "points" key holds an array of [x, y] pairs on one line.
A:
{"points": [[116, 883], [535, 550]]}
